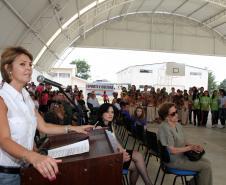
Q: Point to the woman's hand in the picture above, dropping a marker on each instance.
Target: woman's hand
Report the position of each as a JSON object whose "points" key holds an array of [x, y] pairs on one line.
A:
{"points": [[196, 148], [45, 165], [126, 156], [82, 129]]}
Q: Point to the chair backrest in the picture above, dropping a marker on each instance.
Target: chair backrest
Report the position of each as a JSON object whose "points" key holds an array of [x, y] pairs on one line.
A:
{"points": [[152, 141], [126, 122], [139, 132], [164, 153]]}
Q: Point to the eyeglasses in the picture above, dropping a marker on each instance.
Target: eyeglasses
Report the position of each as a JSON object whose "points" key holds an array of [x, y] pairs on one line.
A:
{"points": [[173, 113]]}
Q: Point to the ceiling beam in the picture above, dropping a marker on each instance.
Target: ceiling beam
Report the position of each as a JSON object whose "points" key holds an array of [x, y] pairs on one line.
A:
{"points": [[139, 7], [58, 18], [109, 12], [182, 4], [217, 2], [126, 10], [196, 10], [215, 17], [158, 5], [218, 25], [27, 25]]}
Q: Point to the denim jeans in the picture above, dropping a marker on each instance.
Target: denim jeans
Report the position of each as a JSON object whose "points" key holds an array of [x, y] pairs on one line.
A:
{"points": [[9, 179], [222, 115]]}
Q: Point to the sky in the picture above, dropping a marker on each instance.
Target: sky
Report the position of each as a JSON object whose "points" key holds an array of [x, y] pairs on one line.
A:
{"points": [[105, 63]]}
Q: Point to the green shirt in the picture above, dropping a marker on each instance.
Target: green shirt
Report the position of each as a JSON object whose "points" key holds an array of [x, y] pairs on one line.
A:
{"points": [[214, 105], [205, 103], [196, 104]]}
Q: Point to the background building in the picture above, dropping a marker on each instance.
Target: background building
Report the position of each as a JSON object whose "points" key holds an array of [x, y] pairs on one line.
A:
{"points": [[164, 75], [66, 76]]}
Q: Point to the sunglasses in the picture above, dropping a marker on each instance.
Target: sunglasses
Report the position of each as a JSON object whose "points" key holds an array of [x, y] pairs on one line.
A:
{"points": [[173, 113]]}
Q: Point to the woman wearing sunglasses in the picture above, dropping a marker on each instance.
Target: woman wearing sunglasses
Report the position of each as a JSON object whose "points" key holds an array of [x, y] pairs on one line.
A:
{"points": [[170, 134]]}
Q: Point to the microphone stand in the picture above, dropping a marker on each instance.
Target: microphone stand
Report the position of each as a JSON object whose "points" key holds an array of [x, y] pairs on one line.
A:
{"points": [[80, 114]]}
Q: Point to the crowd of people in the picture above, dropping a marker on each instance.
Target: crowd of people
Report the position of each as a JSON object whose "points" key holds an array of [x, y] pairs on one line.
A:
{"points": [[193, 105], [41, 105]]}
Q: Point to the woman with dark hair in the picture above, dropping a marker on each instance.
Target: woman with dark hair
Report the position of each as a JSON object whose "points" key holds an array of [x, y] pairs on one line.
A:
{"points": [[133, 160], [205, 105], [171, 135], [139, 118], [19, 121]]}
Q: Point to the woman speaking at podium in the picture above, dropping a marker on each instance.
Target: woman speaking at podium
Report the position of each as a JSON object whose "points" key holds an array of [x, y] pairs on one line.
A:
{"points": [[133, 160], [19, 120]]}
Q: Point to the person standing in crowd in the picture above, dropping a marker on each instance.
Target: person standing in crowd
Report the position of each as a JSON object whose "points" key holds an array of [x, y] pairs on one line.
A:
{"points": [[184, 110], [190, 102], [178, 100], [222, 107], [172, 94], [115, 97], [204, 105], [171, 135], [105, 97], [196, 108], [19, 120], [214, 105], [133, 160]]}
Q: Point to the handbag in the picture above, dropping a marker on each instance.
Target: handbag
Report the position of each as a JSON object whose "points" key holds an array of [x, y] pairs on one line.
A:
{"points": [[194, 156]]}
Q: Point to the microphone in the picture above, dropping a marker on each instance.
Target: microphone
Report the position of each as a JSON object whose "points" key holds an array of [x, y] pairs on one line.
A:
{"points": [[42, 79]]}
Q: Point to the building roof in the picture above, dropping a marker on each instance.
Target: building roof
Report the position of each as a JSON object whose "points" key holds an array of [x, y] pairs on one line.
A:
{"points": [[48, 28]]}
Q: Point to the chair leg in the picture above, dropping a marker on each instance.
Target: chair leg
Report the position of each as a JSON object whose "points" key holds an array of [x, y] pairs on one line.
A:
{"points": [[163, 178], [134, 143], [126, 141], [156, 178], [185, 179], [123, 134], [148, 158], [182, 180], [123, 180], [139, 147], [146, 154], [175, 179], [127, 181], [195, 179]]}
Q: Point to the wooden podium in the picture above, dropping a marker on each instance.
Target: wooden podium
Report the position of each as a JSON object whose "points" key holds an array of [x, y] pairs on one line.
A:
{"points": [[102, 165]]}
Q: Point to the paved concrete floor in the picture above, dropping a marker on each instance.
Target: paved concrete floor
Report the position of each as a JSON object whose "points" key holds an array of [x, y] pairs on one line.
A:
{"points": [[214, 142]]}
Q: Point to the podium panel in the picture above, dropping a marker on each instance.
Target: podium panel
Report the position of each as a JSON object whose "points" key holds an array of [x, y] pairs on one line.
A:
{"points": [[100, 166]]}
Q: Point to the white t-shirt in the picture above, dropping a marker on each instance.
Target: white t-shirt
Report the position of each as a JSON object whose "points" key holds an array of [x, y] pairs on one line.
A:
{"points": [[21, 119]]}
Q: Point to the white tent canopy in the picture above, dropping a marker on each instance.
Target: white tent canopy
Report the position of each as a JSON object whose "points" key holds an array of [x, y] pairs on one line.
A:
{"points": [[48, 28]]}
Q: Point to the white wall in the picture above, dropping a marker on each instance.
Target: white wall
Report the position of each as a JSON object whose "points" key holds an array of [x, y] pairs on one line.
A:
{"points": [[159, 79]]}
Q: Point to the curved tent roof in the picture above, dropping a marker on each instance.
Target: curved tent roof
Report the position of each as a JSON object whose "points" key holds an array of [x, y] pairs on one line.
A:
{"points": [[49, 27]]}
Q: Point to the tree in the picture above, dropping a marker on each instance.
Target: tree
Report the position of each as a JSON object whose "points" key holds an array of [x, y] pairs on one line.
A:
{"points": [[83, 68], [212, 85], [223, 84]]}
